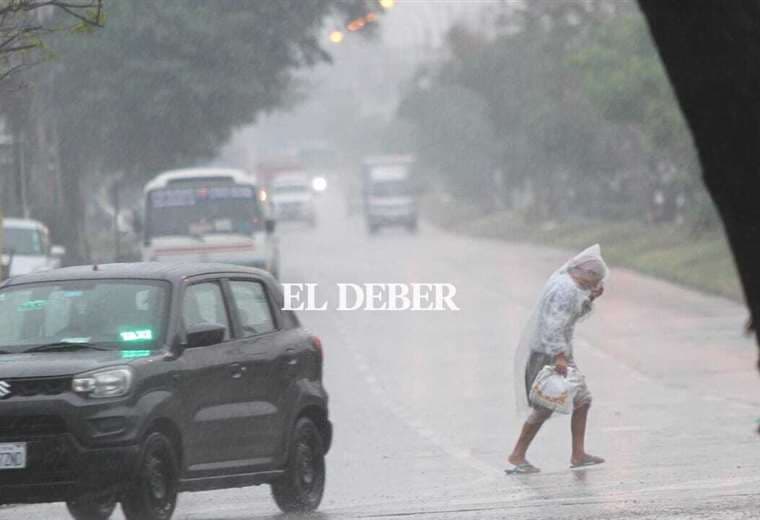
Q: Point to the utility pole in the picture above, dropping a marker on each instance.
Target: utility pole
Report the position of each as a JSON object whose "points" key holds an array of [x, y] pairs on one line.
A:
{"points": [[116, 209], [19, 159]]}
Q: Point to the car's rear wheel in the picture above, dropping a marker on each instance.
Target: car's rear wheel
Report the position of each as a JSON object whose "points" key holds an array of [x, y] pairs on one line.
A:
{"points": [[153, 493], [92, 508], [301, 488]]}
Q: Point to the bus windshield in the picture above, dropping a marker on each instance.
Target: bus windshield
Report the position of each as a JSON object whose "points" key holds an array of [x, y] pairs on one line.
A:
{"points": [[203, 211]]}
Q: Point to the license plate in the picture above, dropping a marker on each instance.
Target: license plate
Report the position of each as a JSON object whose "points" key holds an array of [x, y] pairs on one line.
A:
{"points": [[12, 455]]}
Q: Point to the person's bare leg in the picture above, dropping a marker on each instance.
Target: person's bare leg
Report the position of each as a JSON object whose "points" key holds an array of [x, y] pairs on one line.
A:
{"points": [[528, 433], [578, 429]]}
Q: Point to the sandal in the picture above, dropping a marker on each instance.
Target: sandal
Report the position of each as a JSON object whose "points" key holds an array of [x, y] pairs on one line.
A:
{"points": [[588, 460], [525, 468]]}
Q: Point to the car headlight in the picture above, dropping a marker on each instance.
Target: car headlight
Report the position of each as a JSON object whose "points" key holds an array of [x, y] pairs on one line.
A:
{"points": [[109, 382], [319, 184]]}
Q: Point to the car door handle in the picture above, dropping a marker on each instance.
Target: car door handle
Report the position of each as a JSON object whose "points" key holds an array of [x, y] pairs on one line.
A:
{"points": [[237, 370]]}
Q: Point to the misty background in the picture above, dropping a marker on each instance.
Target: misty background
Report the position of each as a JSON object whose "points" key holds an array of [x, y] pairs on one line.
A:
{"points": [[545, 121]]}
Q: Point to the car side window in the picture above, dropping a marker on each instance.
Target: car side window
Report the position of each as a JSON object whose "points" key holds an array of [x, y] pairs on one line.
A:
{"points": [[203, 304], [253, 308]]}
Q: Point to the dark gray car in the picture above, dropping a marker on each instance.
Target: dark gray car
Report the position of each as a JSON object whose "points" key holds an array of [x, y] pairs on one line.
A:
{"points": [[132, 382]]}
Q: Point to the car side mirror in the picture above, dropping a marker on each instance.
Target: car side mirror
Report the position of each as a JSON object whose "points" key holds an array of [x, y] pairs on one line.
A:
{"points": [[270, 225], [58, 251], [205, 335]]}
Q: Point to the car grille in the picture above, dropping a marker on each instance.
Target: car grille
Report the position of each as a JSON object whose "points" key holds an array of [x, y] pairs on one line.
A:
{"points": [[38, 386], [20, 427]]}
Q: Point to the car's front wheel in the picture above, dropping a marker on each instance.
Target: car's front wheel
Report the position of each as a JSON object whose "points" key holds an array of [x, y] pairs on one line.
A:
{"points": [[92, 508], [301, 488], [153, 493]]}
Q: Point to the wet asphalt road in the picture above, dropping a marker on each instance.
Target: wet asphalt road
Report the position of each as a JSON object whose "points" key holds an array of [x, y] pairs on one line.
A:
{"points": [[423, 403]]}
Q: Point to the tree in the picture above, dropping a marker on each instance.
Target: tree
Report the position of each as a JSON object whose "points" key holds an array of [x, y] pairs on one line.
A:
{"points": [[538, 125], [451, 149], [164, 84], [709, 49], [623, 77], [25, 23]]}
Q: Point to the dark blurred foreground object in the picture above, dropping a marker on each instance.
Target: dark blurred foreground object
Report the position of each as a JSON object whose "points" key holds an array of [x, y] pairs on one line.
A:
{"points": [[710, 50]]}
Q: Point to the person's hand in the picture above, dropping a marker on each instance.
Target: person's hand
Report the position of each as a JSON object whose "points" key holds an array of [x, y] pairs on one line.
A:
{"points": [[560, 364], [597, 292]]}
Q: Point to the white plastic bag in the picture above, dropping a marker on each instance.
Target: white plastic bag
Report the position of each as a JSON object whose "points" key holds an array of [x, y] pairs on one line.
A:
{"points": [[554, 391]]}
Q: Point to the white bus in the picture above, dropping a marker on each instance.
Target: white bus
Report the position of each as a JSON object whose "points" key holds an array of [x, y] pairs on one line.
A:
{"points": [[208, 215]]}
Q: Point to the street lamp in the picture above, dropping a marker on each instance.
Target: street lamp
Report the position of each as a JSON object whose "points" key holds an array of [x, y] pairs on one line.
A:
{"points": [[387, 4], [336, 37]]}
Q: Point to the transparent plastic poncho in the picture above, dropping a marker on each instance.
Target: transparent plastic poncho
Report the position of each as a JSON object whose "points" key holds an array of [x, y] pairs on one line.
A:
{"points": [[561, 305]]}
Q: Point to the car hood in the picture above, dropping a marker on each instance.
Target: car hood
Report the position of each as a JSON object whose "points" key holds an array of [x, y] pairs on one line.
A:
{"points": [[56, 364], [25, 264]]}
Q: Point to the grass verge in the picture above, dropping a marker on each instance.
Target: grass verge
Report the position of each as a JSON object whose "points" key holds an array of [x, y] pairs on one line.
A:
{"points": [[671, 252]]}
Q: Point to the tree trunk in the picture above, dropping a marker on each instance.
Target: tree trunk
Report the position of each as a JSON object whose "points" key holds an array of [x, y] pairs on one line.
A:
{"points": [[70, 228], [710, 50]]}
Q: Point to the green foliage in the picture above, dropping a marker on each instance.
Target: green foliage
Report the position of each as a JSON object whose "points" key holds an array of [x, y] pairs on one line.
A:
{"points": [[624, 78], [164, 84], [573, 106], [24, 25]]}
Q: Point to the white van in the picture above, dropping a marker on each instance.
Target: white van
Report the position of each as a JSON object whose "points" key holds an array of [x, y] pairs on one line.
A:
{"points": [[389, 194], [292, 198], [208, 215], [26, 246]]}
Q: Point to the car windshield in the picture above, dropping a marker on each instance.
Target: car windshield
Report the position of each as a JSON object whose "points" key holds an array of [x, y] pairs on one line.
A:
{"points": [[24, 241], [111, 313], [204, 211], [290, 188], [392, 188]]}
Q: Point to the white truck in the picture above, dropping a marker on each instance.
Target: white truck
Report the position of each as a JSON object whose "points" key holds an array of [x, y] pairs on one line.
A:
{"points": [[389, 194]]}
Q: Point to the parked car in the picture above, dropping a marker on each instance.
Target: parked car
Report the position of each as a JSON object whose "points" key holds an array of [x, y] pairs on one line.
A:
{"points": [[27, 247], [133, 382]]}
